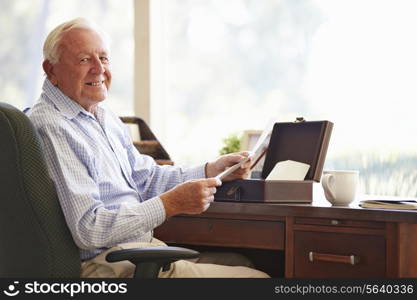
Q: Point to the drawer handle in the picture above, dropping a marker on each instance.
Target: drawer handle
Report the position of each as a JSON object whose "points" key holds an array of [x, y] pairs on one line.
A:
{"points": [[344, 259]]}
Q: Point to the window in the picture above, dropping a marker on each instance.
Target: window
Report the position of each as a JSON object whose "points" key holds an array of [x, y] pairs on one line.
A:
{"points": [[24, 26], [220, 67]]}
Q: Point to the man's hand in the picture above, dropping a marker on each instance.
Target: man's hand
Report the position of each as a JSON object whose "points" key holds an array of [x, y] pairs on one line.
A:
{"points": [[225, 161], [191, 197]]}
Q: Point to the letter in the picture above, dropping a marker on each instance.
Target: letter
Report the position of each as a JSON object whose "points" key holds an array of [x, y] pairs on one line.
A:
{"points": [[29, 288], [123, 288], [76, 290]]}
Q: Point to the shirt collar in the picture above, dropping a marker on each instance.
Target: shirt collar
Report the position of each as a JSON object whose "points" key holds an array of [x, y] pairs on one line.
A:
{"points": [[64, 104]]}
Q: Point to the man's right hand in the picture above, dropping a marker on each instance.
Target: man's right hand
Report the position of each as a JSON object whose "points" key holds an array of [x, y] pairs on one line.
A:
{"points": [[191, 197]]}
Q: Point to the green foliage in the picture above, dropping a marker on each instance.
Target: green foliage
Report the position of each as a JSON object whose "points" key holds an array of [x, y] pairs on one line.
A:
{"points": [[230, 144]]}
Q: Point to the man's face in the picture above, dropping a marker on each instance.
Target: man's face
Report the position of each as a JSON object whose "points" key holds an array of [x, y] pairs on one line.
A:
{"points": [[83, 70]]}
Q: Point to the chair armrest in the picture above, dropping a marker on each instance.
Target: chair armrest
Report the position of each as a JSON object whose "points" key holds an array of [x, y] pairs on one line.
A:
{"points": [[150, 260]]}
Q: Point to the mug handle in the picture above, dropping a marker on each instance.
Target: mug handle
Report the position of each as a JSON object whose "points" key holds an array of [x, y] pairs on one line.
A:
{"points": [[327, 182]]}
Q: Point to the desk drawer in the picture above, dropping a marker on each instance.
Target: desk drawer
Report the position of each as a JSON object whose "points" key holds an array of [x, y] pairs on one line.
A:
{"points": [[328, 254], [223, 232]]}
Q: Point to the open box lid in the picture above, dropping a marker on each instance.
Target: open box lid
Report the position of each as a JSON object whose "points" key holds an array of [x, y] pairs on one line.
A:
{"points": [[305, 142]]}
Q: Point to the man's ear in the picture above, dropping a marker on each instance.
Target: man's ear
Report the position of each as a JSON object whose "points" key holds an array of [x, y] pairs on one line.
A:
{"points": [[49, 71]]}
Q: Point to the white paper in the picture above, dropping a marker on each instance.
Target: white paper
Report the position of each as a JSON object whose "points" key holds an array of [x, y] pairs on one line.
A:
{"points": [[289, 170], [259, 149], [230, 170]]}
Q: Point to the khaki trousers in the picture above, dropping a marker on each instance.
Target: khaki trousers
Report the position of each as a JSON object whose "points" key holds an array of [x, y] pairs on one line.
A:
{"points": [[98, 267]]}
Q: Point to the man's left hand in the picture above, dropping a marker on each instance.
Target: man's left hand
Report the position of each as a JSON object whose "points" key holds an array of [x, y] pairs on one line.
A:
{"points": [[225, 161]]}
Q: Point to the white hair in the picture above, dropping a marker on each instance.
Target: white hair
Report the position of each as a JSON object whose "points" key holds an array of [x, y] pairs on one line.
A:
{"points": [[51, 45]]}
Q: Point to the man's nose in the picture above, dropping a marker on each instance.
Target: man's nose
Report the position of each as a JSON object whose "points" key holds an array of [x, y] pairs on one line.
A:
{"points": [[97, 67]]}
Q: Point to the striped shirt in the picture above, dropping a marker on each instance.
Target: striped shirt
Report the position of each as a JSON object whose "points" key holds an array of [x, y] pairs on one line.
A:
{"points": [[107, 190]]}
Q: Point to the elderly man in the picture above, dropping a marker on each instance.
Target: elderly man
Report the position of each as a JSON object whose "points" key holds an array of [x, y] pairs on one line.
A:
{"points": [[111, 195]]}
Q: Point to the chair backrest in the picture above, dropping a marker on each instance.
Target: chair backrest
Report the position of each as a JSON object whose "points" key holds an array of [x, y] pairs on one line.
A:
{"points": [[34, 238]]}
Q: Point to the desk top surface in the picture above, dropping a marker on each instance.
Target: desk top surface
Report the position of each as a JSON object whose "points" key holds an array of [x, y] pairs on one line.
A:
{"points": [[319, 208]]}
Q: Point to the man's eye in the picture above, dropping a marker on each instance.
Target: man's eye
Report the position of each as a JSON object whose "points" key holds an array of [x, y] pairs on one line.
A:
{"points": [[104, 59], [84, 59]]}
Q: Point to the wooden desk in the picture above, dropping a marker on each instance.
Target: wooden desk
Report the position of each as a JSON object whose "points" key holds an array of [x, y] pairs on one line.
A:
{"points": [[316, 240]]}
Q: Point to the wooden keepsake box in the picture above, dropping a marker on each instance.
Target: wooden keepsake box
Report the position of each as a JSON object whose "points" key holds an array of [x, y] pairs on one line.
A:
{"points": [[305, 142]]}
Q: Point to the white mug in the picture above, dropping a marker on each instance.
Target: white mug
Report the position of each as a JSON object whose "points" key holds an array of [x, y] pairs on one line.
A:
{"points": [[340, 187]]}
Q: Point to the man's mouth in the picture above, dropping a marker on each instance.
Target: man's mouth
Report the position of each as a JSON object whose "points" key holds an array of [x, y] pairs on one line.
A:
{"points": [[95, 83]]}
